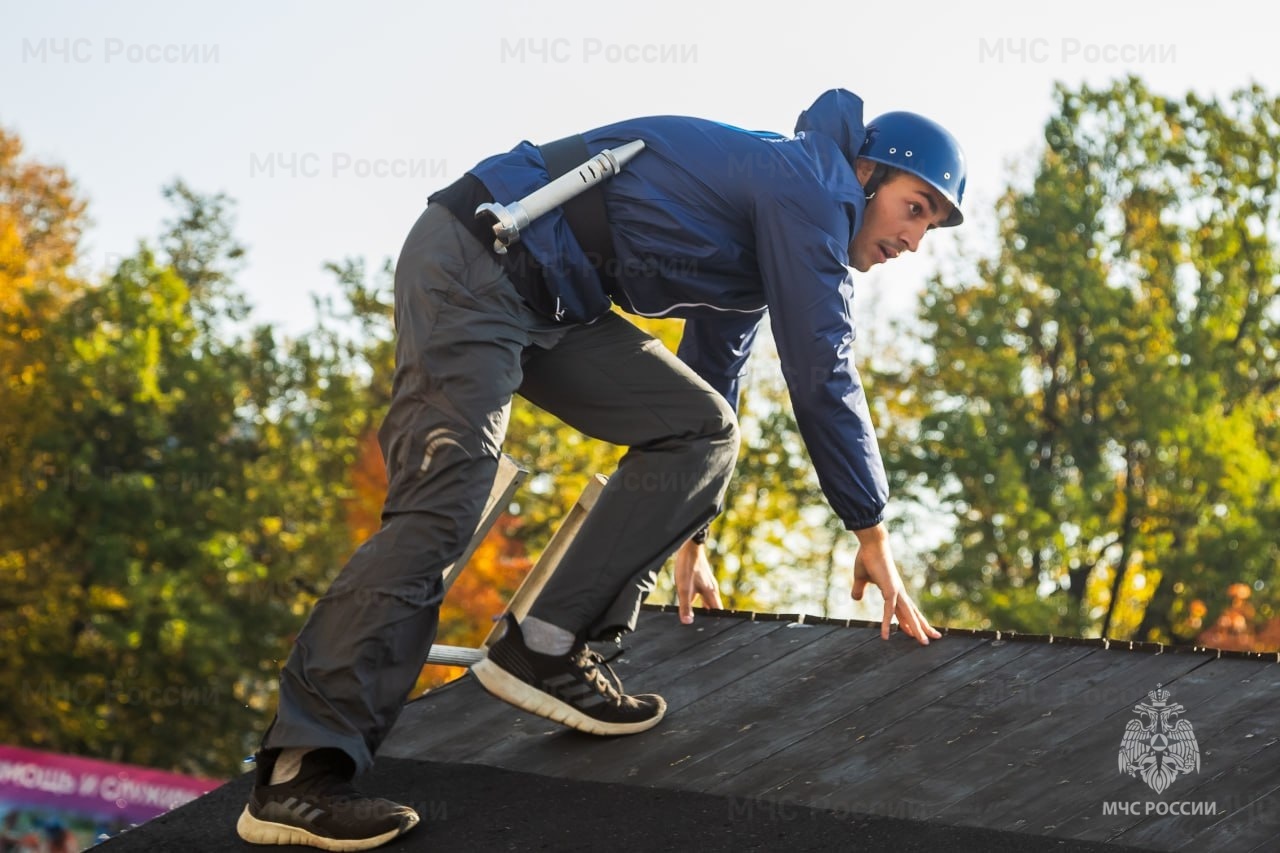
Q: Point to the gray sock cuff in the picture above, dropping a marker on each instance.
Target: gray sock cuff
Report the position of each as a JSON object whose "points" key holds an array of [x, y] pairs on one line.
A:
{"points": [[545, 638]]}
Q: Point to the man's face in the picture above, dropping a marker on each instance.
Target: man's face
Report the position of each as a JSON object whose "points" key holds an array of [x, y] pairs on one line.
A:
{"points": [[904, 207]]}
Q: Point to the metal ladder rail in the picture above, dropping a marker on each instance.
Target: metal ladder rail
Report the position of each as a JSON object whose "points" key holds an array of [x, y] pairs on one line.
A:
{"points": [[533, 582]]}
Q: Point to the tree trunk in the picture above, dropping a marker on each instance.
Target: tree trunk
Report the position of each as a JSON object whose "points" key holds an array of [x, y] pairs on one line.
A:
{"points": [[1126, 543]]}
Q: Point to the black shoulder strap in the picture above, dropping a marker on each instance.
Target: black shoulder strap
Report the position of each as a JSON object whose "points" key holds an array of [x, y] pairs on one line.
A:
{"points": [[584, 212]]}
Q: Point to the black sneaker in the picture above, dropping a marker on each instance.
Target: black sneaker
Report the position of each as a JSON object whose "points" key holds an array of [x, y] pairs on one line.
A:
{"points": [[571, 689], [319, 807]]}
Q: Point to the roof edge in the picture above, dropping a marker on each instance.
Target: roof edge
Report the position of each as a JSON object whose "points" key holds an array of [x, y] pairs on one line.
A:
{"points": [[1003, 636]]}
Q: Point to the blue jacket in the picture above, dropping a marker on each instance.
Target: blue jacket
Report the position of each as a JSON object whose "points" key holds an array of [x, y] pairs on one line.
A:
{"points": [[716, 225]]}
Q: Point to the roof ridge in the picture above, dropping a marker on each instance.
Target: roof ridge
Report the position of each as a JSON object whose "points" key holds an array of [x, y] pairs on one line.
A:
{"points": [[992, 634]]}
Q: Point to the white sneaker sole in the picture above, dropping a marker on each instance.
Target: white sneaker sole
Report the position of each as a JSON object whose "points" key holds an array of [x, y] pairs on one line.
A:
{"points": [[512, 690], [257, 831]]}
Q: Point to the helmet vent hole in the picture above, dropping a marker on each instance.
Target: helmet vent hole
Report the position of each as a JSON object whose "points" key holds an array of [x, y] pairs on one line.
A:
{"points": [[908, 153], [946, 175], [893, 150]]}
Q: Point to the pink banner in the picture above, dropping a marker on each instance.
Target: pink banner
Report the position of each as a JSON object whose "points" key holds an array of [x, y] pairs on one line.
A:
{"points": [[93, 788]]}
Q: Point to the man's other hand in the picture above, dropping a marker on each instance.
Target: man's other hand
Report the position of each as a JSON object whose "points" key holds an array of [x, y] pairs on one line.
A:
{"points": [[694, 577], [875, 565]]}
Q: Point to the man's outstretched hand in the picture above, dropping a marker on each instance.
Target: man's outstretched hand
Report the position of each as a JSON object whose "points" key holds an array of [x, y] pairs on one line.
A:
{"points": [[694, 577], [874, 565]]}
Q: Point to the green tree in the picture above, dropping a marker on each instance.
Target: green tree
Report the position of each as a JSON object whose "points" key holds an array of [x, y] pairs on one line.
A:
{"points": [[1097, 404], [41, 217], [168, 525], [118, 608]]}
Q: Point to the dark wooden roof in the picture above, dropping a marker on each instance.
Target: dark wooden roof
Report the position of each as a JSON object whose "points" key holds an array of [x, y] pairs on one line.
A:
{"points": [[979, 729]]}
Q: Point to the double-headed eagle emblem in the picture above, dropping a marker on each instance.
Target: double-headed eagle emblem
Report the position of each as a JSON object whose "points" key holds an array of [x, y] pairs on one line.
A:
{"points": [[1158, 746]]}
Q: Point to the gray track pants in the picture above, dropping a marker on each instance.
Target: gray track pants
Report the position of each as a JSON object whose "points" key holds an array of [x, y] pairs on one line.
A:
{"points": [[466, 342]]}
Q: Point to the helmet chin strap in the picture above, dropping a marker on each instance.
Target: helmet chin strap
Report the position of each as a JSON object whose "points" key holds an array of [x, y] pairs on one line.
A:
{"points": [[873, 183]]}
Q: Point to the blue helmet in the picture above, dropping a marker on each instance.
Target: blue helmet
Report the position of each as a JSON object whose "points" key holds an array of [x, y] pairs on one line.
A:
{"points": [[920, 147]]}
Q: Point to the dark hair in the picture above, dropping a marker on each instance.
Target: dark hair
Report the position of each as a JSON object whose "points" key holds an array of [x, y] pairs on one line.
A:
{"points": [[882, 174]]}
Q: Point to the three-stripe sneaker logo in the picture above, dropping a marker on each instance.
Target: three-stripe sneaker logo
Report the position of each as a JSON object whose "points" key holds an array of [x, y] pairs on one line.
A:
{"points": [[301, 810], [568, 688]]}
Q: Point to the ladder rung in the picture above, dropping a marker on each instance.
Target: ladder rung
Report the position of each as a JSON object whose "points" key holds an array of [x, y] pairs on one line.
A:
{"points": [[454, 655]]}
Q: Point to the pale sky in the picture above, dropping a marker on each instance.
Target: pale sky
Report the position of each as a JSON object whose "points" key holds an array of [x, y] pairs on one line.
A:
{"points": [[329, 123]]}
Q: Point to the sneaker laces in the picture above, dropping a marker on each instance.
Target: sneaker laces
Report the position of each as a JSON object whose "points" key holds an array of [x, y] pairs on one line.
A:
{"points": [[591, 663]]}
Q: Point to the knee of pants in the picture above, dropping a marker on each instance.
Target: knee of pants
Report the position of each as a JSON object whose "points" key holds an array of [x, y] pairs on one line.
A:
{"points": [[712, 419], [724, 439]]}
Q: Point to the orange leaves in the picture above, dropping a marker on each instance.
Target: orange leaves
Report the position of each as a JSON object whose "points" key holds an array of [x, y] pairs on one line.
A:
{"points": [[1237, 627], [368, 489]]}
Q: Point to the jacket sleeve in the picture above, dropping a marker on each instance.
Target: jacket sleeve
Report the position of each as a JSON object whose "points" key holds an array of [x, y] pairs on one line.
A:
{"points": [[808, 285], [717, 349]]}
